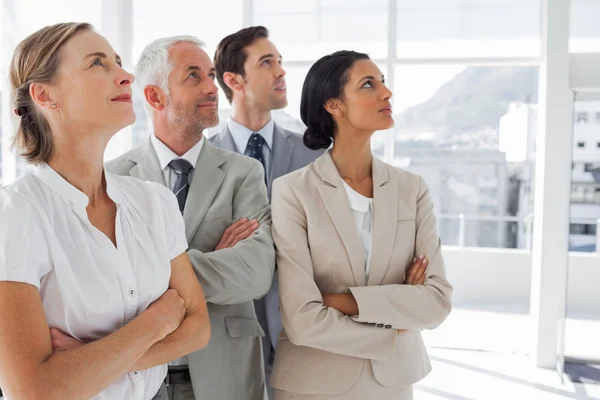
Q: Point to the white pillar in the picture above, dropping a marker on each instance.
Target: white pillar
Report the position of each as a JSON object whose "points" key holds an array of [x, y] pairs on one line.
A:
{"points": [[117, 27], [7, 119], [552, 184]]}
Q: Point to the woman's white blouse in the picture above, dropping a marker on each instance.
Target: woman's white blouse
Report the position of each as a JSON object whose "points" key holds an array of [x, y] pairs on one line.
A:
{"points": [[362, 210], [89, 288]]}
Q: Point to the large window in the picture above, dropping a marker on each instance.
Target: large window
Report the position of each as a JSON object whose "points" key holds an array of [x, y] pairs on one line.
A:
{"points": [[468, 28], [308, 29]]}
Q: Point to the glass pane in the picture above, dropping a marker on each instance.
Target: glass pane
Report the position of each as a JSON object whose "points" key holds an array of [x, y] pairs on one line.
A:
{"points": [[585, 30], [181, 17], [468, 28], [324, 26], [470, 132], [582, 325]]}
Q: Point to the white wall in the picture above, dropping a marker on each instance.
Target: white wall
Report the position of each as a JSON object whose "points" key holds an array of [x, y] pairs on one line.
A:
{"points": [[502, 279]]}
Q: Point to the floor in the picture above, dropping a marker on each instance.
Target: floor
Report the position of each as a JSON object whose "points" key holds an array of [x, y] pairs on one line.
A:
{"points": [[483, 375]]}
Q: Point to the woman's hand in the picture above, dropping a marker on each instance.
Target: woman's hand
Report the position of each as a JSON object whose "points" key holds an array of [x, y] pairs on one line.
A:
{"points": [[169, 312], [416, 275], [62, 341], [416, 272], [344, 303]]}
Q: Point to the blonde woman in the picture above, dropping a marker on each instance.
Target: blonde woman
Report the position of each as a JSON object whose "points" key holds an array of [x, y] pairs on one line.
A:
{"points": [[97, 292]]}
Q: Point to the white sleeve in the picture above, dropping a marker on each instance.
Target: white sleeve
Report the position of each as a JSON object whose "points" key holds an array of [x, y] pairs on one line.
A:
{"points": [[24, 255], [174, 224]]}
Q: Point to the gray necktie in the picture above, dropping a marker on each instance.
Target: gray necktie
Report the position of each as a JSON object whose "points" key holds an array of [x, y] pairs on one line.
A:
{"points": [[182, 168]]}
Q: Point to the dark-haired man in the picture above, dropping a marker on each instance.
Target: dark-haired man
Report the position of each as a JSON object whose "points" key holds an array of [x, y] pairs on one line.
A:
{"points": [[250, 72]]}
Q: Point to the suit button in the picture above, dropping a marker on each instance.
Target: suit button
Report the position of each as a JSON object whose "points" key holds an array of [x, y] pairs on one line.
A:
{"points": [[380, 325], [388, 327], [372, 324]]}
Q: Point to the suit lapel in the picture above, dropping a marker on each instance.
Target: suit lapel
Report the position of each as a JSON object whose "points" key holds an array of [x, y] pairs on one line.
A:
{"points": [[282, 154], [207, 180], [334, 197], [147, 166], [385, 221]]}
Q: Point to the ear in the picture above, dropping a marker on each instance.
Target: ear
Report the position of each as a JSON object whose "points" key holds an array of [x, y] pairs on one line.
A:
{"points": [[40, 93], [334, 107], [155, 97], [233, 81]]}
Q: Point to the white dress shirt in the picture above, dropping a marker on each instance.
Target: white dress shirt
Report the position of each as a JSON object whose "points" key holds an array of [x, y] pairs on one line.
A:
{"points": [[241, 136], [88, 286], [166, 155], [362, 210]]}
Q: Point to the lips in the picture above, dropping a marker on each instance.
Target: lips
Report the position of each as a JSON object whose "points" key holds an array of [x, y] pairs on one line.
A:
{"points": [[210, 104], [386, 110], [123, 97]]}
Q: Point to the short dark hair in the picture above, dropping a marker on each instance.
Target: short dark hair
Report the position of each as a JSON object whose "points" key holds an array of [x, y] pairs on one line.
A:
{"points": [[231, 55], [325, 80]]}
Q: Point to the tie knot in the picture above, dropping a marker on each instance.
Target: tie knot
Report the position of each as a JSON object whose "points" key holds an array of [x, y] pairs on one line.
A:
{"points": [[256, 141], [180, 166]]}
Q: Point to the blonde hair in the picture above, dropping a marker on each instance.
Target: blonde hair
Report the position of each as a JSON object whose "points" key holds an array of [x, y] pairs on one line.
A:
{"points": [[37, 59]]}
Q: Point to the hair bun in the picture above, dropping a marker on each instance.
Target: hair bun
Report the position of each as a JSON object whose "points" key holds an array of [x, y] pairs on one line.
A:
{"points": [[316, 140]]}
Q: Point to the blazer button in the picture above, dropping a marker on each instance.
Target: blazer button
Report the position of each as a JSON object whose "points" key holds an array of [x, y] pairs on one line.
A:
{"points": [[380, 325], [372, 324], [388, 327]]}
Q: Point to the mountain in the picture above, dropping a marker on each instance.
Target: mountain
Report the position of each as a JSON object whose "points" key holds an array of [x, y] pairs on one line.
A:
{"points": [[472, 101]]}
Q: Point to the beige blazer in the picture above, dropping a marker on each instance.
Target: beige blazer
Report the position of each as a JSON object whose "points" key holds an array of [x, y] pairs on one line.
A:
{"points": [[322, 351]]}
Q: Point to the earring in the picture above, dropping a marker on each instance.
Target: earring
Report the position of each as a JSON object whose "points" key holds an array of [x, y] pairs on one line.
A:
{"points": [[53, 106]]}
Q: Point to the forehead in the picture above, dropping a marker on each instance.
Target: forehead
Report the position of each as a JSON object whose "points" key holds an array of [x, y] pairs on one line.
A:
{"points": [[84, 43], [362, 68], [183, 54], [259, 48]]}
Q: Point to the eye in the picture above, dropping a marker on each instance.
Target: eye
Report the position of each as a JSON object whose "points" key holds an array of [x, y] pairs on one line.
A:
{"points": [[368, 84], [97, 62], [266, 62], [193, 75], [120, 63], [212, 76]]}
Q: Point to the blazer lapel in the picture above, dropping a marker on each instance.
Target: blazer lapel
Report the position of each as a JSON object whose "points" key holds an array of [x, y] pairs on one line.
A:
{"points": [[207, 180], [282, 154], [385, 220], [147, 166], [334, 197]]}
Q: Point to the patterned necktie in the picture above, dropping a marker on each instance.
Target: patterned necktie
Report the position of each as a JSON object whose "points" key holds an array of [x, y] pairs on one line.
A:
{"points": [[255, 144], [182, 168]]}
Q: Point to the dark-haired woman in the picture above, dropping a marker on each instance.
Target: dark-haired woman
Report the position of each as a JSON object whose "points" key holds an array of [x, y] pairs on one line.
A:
{"points": [[361, 271]]}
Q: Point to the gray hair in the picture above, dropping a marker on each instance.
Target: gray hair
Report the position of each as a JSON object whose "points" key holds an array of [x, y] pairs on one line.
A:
{"points": [[154, 66]]}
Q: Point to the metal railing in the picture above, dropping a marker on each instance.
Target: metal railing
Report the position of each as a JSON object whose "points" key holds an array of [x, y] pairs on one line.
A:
{"points": [[527, 221]]}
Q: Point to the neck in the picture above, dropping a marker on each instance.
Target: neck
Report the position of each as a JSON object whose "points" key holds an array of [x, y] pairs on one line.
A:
{"points": [[175, 137], [250, 117], [352, 156], [79, 159]]}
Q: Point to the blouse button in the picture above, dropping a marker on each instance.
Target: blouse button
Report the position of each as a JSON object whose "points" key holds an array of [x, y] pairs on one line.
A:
{"points": [[131, 292]]}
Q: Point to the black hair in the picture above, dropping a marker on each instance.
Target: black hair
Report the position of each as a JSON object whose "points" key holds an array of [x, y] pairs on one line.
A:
{"points": [[325, 80]]}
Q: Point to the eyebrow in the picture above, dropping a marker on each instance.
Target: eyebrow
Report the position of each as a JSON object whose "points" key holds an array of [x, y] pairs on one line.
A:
{"points": [[371, 77], [102, 55], [197, 68], [270, 55]]}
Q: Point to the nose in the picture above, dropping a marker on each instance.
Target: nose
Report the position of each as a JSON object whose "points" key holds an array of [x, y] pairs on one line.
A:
{"points": [[125, 78], [211, 87], [386, 93], [280, 71]]}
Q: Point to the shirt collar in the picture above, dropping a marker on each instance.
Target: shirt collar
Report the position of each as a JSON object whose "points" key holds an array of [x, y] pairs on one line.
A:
{"points": [[241, 134], [166, 155], [357, 201], [54, 181]]}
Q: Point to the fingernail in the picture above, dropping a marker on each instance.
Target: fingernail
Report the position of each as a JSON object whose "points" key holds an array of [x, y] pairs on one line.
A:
{"points": [[414, 259], [422, 256], [425, 261]]}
